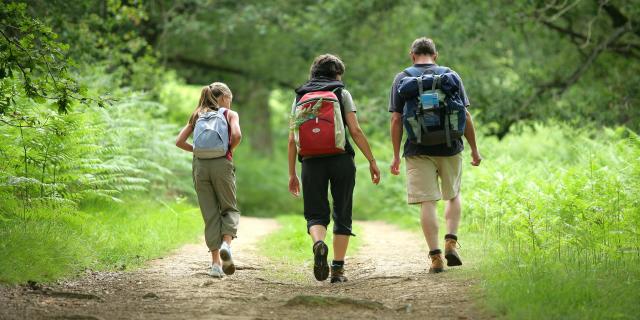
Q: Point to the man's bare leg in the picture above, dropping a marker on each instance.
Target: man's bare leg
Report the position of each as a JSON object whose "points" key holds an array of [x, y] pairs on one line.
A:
{"points": [[452, 211], [429, 223]]}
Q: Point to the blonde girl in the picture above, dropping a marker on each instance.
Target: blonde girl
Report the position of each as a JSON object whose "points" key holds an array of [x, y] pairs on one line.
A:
{"points": [[214, 179]]}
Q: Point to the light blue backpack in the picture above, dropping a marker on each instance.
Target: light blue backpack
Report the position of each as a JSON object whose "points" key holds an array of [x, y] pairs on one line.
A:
{"points": [[211, 135]]}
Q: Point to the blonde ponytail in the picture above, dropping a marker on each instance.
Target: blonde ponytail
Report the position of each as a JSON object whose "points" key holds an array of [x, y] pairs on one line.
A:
{"points": [[209, 99], [210, 95]]}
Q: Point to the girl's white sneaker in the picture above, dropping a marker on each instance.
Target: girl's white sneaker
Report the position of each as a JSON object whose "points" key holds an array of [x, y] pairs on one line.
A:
{"points": [[227, 260], [216, 271]]}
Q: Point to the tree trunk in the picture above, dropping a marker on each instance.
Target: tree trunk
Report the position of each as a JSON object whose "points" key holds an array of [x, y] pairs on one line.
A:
{"points": [[255, 116]]}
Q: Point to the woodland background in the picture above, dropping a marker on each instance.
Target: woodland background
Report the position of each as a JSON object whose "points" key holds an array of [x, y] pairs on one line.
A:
{"points": [[93, 93]]}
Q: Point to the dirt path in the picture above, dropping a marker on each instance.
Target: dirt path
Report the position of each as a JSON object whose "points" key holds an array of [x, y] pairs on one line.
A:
{"points": [[387, 279]]}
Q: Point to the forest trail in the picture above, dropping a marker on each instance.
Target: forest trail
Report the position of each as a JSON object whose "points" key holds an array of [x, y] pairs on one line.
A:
{"points": [[387, 279]]}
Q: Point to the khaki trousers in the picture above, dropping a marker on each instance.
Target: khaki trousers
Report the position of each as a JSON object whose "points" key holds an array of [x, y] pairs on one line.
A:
{"points": [[215, 184]]}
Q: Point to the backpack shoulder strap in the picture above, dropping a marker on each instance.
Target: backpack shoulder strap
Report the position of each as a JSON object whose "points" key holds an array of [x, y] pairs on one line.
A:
{"points": [[338, 93], [434, 69], [413, 72], [439, 70], [225, 113]]}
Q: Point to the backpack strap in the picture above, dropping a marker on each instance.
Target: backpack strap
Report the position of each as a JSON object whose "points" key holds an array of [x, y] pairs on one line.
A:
{"points": [[447, 130], [436, 71], [348, 147], [417, 73], [413, 72], [338, 92]]}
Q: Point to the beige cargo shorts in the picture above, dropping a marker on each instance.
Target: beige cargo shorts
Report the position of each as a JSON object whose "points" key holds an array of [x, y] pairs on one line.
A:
{"points": [[433, 178]]}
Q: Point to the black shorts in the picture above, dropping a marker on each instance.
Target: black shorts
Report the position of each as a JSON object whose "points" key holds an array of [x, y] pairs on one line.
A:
{"points": [[317, 174]]}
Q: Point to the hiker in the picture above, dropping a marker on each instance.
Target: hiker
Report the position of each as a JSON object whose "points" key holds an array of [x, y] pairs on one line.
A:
{"points": [[321, 110], [216, 131], [432, 149]]}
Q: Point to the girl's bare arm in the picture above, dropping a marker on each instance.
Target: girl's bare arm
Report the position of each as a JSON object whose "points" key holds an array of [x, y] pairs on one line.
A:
{"points": [[236, 134], [181, 141]]}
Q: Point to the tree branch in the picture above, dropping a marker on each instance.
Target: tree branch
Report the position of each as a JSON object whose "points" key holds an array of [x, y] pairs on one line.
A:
{"points": [[561, 85], [575, 76], [623, 48], [227, 69], [618, 19]]}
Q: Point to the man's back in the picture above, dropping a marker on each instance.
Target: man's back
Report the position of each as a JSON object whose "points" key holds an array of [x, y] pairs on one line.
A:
{"points": [[397, 104]]}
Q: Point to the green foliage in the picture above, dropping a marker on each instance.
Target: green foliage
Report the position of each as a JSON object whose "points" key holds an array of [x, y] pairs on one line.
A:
{"points": [[269, 197], [50, 244], [33, 66], [552, 204], [181, 100], [558, 207], [521, 61], [87, 154], [106, 34], [77, 186]]}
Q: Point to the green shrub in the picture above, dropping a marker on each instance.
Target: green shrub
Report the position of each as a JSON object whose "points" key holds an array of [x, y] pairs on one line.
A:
{"points": [[49, 244]]}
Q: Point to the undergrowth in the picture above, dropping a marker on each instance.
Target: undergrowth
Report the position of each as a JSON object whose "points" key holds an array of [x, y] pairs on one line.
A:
{"points": [[50, 244]]}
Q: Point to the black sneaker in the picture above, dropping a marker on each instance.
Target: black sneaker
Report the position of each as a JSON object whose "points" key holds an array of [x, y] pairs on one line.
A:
{"points": [[320, 265], [337, 274]]}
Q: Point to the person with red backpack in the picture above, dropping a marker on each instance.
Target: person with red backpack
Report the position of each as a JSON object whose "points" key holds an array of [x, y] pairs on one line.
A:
{"points": [[322, 112], [430, 102]]}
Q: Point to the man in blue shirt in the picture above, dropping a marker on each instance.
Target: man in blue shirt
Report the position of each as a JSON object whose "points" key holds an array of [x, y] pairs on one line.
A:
{"points": [[433, 171]]}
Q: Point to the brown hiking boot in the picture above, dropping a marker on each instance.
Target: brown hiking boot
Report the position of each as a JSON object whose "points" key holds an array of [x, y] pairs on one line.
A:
{"points": [[437, 265], [450, 253], [337, 274]]}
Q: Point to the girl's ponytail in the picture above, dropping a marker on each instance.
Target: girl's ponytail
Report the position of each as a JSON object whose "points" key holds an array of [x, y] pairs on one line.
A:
{"points": [[210, 95]]}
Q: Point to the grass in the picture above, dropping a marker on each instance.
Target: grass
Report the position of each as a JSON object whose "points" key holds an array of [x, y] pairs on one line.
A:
{"points": [[289, 248], [550, 219], [538, 287], [52, 244], [561, 226]]}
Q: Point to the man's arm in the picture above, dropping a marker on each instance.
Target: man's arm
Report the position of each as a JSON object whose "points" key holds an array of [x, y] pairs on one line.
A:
{"points": [[361, 141], [470, 135], [396, 140]]}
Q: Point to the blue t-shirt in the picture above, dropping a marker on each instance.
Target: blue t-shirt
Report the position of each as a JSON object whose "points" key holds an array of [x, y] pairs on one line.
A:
{"points": [[396, 104]]}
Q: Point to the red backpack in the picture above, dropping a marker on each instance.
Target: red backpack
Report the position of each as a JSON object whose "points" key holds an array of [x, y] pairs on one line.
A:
{"points": [[318, 125]]}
